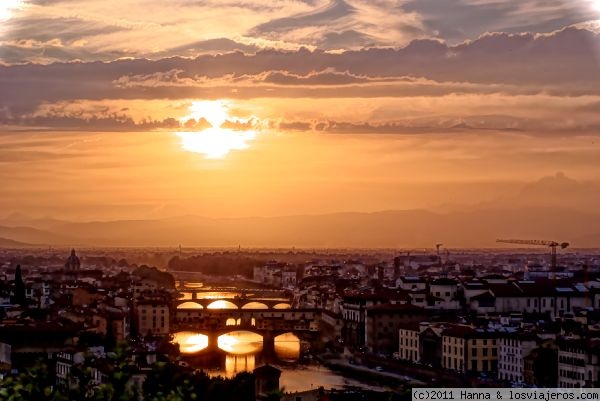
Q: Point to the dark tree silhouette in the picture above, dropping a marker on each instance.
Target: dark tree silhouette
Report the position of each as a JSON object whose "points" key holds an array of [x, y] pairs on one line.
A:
{"points": [[19, 288]]}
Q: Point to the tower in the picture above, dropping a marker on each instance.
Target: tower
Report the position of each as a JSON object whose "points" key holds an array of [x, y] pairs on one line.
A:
{"points": [[72, 264]]}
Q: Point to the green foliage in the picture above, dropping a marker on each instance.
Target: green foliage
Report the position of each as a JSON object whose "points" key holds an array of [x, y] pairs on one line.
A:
{"points": [[166, 382], [33, 385]]}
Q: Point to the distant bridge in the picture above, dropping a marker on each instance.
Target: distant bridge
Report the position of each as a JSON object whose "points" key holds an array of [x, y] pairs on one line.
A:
{"points": [[233, 303], [250, 298]]}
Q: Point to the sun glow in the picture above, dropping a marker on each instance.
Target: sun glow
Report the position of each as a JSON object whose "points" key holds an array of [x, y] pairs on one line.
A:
{"points": [[8, 7], [214, 142]]}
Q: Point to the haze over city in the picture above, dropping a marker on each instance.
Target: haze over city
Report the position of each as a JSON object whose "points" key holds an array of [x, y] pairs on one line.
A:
{"points": [[213, 122]]}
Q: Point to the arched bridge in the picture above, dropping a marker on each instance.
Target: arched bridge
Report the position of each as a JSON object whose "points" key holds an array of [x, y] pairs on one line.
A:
{"points": [[267, 323]]}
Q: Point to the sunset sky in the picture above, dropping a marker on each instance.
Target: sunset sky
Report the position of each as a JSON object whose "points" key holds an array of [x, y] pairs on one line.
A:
{"points": [[136, 109]]}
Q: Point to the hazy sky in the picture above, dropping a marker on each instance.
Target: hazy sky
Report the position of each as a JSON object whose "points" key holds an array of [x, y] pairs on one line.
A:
{"points": [[136, 108]]}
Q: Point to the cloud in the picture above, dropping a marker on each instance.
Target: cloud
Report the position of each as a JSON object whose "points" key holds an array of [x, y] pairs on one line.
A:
{"points": [[530, 80], [189, 28], [561, 61], [341, 24], [459, 20]]}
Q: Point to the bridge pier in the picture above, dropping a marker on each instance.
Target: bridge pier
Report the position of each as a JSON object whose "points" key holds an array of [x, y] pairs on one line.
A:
{"points": [[213, 342], [268, 345]]}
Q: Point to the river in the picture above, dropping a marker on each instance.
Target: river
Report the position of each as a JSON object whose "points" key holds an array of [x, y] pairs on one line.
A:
{"points": [[242, 351]]}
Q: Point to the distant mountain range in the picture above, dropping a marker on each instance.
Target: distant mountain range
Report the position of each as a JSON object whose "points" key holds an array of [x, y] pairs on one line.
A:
{"points": [[386, 229], [554, 208], [9, 243]]}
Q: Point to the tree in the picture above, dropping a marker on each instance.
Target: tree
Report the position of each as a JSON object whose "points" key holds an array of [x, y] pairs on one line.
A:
{"points": [[34, 384]]}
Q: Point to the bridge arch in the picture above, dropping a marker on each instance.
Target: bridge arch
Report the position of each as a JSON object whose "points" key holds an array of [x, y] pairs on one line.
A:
{"points": [[282, 305], [233, 321], [221, 304], [250, 342], [255, 305], [190, 305]]}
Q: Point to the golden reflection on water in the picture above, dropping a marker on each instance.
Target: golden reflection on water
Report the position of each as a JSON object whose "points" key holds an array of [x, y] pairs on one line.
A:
{"points": [[240, 342], [287, 347], [190, 342], [235, 364], [241, 348]]}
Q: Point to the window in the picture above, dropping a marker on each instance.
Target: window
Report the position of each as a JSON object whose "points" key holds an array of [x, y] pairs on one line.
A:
{"points": [[474, 351]]}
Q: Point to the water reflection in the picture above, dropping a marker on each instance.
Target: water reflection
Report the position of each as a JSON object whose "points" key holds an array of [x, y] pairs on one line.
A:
{"points": [[235, 364], [240, 342], [287, 347], [190, 342], [241, 348]]}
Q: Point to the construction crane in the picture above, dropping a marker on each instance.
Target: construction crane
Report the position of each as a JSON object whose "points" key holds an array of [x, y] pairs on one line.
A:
{"points": [[552, 244]]}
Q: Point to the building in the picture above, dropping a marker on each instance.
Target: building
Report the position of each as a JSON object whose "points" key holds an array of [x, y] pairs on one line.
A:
{"points": [[512, 350], [383, 324], [541, 366], [267, 381], [354, 313], [445, 291], [152, 317], [411, 283], [467, 349], [430, 343], [73, 264], [571, 363], [578, 362], [408, 342]]}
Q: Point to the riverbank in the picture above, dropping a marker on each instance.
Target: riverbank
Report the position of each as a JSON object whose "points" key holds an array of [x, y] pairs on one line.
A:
{"points": [[391, 379]]}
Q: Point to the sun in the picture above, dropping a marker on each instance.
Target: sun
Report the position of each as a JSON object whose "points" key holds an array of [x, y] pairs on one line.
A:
{"points": [[8, 7], [215, 142], [213, 111]]}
